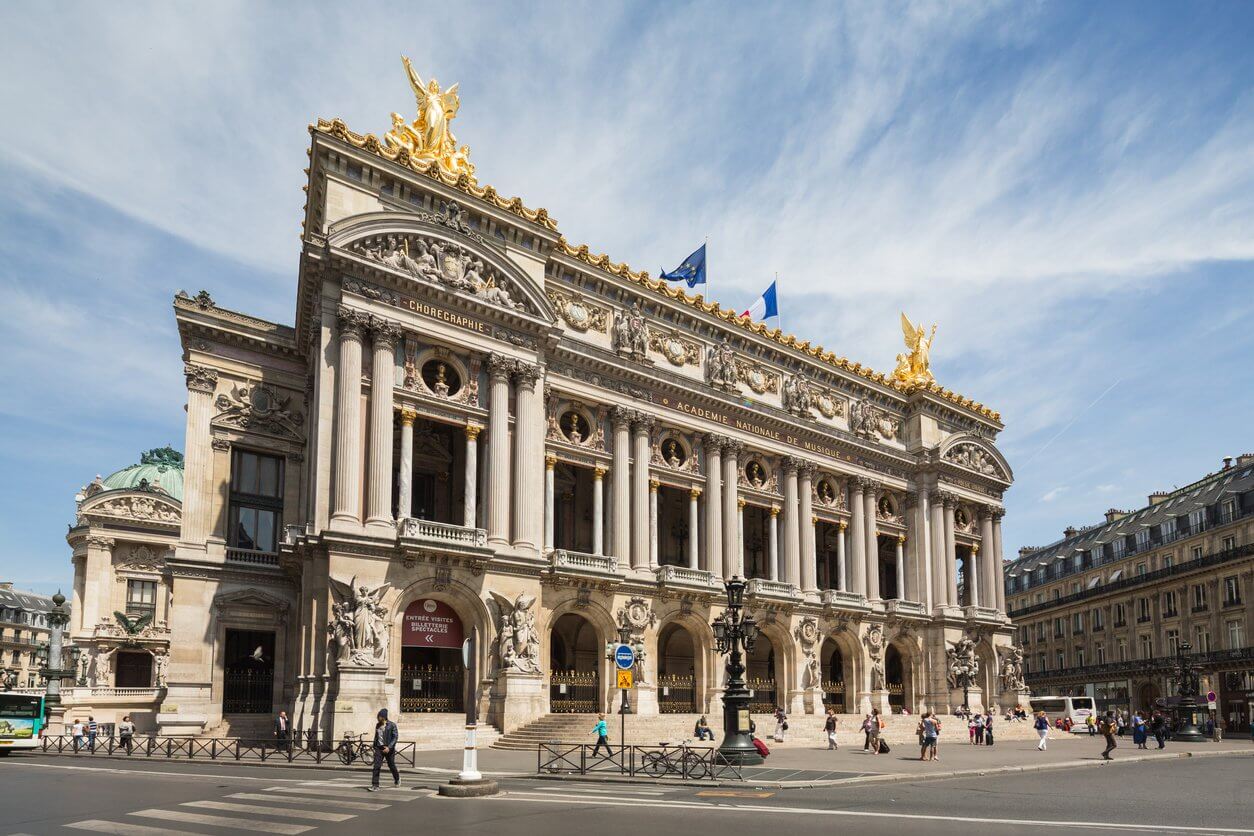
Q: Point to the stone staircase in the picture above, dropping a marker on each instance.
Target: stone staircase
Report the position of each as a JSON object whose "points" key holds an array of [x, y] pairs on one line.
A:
{"points": [[244, 726], [804, 731], [443, 731]]}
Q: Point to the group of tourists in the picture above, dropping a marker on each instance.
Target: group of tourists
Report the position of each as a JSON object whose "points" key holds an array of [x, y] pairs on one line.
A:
{"points": [[980, 729]]}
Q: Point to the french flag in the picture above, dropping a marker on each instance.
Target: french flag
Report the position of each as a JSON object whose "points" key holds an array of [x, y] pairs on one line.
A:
{"points": [[765, 309]]}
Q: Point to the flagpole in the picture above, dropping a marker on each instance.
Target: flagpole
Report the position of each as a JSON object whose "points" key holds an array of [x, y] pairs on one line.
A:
{"points": [[781, 310]]}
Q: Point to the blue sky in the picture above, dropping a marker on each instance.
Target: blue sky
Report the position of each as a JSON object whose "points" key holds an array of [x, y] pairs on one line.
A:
{"points": [[1067, 189]]}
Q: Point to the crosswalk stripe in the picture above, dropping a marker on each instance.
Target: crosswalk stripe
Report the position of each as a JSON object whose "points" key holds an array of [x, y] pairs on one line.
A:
{"points": [[325, 802], [315, 815], [123, 829], [224, 821], [388, 792]]}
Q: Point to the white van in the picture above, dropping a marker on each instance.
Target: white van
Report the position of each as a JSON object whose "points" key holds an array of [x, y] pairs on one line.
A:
{"points": [[1079, 709]]}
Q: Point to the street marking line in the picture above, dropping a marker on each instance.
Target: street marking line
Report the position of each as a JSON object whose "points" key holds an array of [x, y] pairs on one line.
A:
{"points": [[392, 793], [224, 821], [217, 775], [733, 794], [314, 815], [610, 801], [326, 802], [123, 829]]}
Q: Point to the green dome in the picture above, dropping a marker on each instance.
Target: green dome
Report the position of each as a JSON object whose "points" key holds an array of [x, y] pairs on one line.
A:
{"points": [[159, 468]]}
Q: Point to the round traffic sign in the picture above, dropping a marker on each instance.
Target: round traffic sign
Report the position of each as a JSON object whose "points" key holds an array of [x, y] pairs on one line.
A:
{"points": [[624, 656], [1210, 696]]}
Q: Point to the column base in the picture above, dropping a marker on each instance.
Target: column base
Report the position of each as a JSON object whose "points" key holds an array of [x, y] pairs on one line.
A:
{"points": [[381, 528], [645, 702], [869, 700], [518, 699], [345, 523]]}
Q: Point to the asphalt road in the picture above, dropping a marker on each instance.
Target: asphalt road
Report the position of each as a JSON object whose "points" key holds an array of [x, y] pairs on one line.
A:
{"points": [[50, 796]]}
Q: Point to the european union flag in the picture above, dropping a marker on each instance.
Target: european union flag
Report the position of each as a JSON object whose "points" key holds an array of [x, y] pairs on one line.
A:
{"points": [[691, 271]]}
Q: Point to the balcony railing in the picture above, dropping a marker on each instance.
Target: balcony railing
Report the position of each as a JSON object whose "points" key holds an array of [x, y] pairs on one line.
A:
{"points": [[773, 589], [124, 693], [564, 560], [254, 557], [684, 576], [446, 533], [1213, 559], [1156, 664], [841, 599], [896, 605]]}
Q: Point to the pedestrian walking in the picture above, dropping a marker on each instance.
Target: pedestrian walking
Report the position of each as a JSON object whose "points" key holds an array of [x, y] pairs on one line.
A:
{"points": [[386, 736], [281, 729], [971, 730], [979, 729], [126, 732], [1158, 725], [929, 731], [702, 730], [866, 732], [988, 730], [1140, 733], [876, 726], [1110, 726], [781, 724], [92, 730], [76, 732], [829, 726], [1042, 729], [602, 731], [1091, 722]]}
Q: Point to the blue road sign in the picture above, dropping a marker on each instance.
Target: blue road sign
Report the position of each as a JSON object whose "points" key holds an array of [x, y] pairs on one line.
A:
{"points": [[624, 657]]}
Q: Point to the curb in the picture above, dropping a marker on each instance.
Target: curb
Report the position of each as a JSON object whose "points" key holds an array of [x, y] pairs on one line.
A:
{"points": [[432, 771]]}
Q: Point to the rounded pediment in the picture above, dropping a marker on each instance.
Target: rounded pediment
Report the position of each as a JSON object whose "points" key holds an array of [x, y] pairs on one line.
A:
{"points": [[973, 453], [442, 251], [146, 507]]}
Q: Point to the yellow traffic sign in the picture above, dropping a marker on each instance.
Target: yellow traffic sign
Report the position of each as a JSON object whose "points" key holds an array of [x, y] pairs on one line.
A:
{"points": [[624, 680]]}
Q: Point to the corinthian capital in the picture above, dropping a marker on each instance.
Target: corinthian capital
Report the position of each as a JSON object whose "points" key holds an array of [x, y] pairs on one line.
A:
{"points": [[807, 469], [791, 463], [733, 447], [200, 378], [500, 366], [526, 374], [714, 442], [949, 499], [351, 322], [620, 416], [384, 332], [97, 542], [867, 484], [643, 422]]}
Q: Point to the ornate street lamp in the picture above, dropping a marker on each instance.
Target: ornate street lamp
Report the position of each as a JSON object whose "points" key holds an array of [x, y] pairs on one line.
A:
{"points": [[1188, 681], [52, 672], [735, 636]]}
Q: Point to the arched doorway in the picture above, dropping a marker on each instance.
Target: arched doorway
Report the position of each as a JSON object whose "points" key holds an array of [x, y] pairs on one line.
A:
{"points": [[833, 664], [433, 676], [760, 677], [1147, 696], [895, 676], [574, 666], [677, 670]]}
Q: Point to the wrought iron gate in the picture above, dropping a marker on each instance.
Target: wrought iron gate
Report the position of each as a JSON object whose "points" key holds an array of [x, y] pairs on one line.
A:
{"points": [[247, 691], [429, 688], [834, 695], [574, 692], [761, 696], [677, 694]]}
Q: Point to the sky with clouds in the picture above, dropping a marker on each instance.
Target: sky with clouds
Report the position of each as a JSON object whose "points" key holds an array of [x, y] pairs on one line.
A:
{"points": [[1067, 189]]}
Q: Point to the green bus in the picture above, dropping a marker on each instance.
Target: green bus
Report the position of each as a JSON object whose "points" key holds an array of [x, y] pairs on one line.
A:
{"points": [[21, 722]]}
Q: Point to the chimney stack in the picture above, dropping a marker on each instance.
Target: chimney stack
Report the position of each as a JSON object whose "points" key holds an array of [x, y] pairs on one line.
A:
{"points": [[1227, 462], [1070, 531], [1158, 496], [1115, 514]]}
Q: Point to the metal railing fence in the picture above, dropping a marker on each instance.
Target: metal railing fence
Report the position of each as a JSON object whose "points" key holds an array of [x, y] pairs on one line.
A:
{"points": [[691, 763], [312, 750]]}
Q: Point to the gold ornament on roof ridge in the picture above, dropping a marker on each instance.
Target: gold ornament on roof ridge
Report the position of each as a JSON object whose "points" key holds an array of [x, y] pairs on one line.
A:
{"points": [[430, 136], [914, 368]]}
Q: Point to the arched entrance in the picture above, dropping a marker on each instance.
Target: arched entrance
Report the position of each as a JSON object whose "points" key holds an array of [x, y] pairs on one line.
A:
{"points": [[760, 677], [574, 663], [677, 670], [833, 664], [433, 676], [895, 676], [1147, 696]]}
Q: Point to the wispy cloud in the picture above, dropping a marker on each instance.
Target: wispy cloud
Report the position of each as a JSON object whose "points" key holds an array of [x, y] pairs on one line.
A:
{"points": [[1051, 495]]}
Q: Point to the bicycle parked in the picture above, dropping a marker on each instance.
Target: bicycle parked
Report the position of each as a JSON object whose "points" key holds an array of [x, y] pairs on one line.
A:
{"points": [[676, 760], [353, 748]]}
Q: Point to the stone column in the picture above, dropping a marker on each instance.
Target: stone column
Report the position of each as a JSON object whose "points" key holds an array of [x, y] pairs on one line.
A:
{"points": [[774, 542], [857, 537], [642, 427], [379, 513], [653, 487], [870, 493], [805, 521], [740, 538], [842, 579], [198, 487], [694, 525], [528, 456], [988, 582], [940, 587], [499, 369], [971, 575], [731, 528], [713, 504], [598, 510], [347, 513], [549, 463], [901, 567], [951, 559], [620, 472], [922, 537], [999, 560], [792, 524], [405, 473], [470, 511]]}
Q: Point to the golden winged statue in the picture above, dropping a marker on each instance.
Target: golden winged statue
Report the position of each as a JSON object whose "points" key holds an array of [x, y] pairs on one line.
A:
{"points": [[429, 137], [914, 367]]}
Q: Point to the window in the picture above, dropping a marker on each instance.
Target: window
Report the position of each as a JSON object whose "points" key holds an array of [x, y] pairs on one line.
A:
{"points": [[1057, 628], [1229, 543], [1167, 529], [1229, 511], [1197, 520], [1142, 609], [1140, 569], [1041, 662], [1197, 552], [1121, 648], [1236, 635], [1142, 539], [1232, 590], [1169, 604], [1173, 642], [1098, 619], [141, 598], [256, 501], [1062, 660], [1120, 615], [1147, 647], [1079, 657], [1168, 561], [1099, 653], [1057, 594], [1119, 546], [1023, 634], [1201, 643], [1077, 623], [1040, 631], [17, 636], [1199, 597]]}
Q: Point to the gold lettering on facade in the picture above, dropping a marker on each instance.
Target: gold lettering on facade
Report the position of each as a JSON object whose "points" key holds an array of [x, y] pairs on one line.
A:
{"points": [[447, 316]]}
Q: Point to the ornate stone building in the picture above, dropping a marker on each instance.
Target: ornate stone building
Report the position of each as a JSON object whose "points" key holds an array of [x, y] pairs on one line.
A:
{"points": [[23, 630], [476, 427], [1105, 610]]}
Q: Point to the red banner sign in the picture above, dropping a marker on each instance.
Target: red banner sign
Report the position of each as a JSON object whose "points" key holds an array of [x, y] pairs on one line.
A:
{"points": [[431, 623]]}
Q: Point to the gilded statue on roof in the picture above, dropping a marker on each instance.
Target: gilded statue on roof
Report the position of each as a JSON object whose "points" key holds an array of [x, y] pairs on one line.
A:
{"points": [[914, 367], [429, 137]]}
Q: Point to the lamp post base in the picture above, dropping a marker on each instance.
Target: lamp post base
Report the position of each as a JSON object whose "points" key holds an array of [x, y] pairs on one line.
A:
{"points": [[739, 750]]}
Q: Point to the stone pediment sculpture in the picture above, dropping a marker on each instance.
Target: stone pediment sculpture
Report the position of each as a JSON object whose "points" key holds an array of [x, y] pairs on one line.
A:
{"points": [[517, 640], [870, 421], [757, 377], [720, 368], [797, 397], [260, 408], [962, 663], [1012, 668], [358, 623], [631, 334], [914, 368], [139, 558], [974, 458], [154, 508], [677, 351], [443, 263]]}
